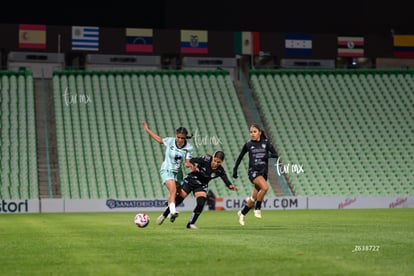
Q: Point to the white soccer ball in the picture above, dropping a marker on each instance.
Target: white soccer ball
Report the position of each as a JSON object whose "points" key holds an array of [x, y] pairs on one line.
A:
{"points": [[141, 220]]}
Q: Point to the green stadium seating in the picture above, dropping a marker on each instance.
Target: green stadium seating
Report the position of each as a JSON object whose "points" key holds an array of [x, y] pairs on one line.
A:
{"points": [[104, 151], [351, 130], [18, 137]]}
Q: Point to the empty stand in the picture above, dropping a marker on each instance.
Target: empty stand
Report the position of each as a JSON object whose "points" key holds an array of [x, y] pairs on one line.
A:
{"points": [[351, 131], [103, 149], [18, 137]]}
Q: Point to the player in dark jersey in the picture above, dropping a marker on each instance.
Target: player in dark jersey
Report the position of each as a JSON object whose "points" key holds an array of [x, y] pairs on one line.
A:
{"points": [[207, 167], [260, 150]]}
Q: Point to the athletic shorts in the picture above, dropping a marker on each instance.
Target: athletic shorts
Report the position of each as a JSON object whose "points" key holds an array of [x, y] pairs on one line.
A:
{"points": [[169, 174], [254, 173], [193, 186]]}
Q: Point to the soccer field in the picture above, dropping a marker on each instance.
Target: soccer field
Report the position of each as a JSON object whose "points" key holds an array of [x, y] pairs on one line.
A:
{"points": [[294, 242]]}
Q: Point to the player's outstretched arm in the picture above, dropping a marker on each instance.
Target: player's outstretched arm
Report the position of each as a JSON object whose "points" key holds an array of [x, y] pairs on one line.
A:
{"points": [[155, 136]]}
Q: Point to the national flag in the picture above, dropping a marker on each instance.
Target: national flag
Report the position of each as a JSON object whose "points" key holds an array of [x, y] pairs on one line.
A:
{"points": [[139, 40], [403, 46], [194, 42], [247, 43], [32, 36], [350, 46], [85, 38], [298, 44]]}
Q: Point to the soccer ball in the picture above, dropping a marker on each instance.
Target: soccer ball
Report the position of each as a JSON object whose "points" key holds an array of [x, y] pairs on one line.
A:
{"points": [[141, 220]]}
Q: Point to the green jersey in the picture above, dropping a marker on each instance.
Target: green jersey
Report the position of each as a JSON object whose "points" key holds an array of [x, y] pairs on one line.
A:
{"points": [[175, 156]]}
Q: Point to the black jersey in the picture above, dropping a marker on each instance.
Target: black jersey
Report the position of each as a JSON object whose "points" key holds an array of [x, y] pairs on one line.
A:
{"points": [[259, 154], [205, 173]]}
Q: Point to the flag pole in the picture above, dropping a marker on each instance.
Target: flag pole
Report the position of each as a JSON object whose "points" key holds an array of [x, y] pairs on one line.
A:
{"points": [[59, 37]]}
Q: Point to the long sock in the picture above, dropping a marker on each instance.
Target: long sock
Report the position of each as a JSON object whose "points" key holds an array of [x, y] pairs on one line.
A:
{"points": [[178, 200], [193, 218], [201, 201], [172, 207], [166, 212], [258, 205], [245, 210]]}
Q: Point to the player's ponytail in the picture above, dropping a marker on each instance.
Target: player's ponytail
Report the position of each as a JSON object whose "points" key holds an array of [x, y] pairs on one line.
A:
{"points": [[183, 130]]}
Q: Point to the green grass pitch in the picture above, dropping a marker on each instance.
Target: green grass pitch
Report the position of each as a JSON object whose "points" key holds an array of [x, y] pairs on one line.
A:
{"points": [[291, 242]]}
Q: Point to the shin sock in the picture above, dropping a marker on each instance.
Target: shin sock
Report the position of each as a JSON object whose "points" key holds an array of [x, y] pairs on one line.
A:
{"points": [[171, 205], [166, 212], [245, 210], [197, 210]]}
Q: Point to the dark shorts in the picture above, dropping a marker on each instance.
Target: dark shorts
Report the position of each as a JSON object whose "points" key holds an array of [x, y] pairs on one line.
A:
{"points": [[255, 173], [193, 186]]}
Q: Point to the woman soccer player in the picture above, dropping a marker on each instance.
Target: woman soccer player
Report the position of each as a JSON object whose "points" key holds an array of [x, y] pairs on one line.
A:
{"points": [[206, 168], [177, 151], [260, 150]]}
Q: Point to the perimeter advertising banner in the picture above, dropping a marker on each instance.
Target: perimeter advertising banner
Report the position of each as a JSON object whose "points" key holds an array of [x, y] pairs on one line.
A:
{"points": [[360, 202], [132, 205]]}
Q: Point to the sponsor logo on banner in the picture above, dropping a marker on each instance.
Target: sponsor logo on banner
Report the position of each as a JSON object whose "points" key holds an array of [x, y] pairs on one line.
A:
{"points": [[347, 202], [398, 202], [14, 206], [275, 203], [144, 203]]}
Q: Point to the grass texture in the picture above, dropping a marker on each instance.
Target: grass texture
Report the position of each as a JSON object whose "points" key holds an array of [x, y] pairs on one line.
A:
{"points": [[293, 242]]}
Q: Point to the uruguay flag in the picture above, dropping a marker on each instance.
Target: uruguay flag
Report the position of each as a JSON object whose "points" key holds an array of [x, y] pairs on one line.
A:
{"points": [[85, 38]]}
